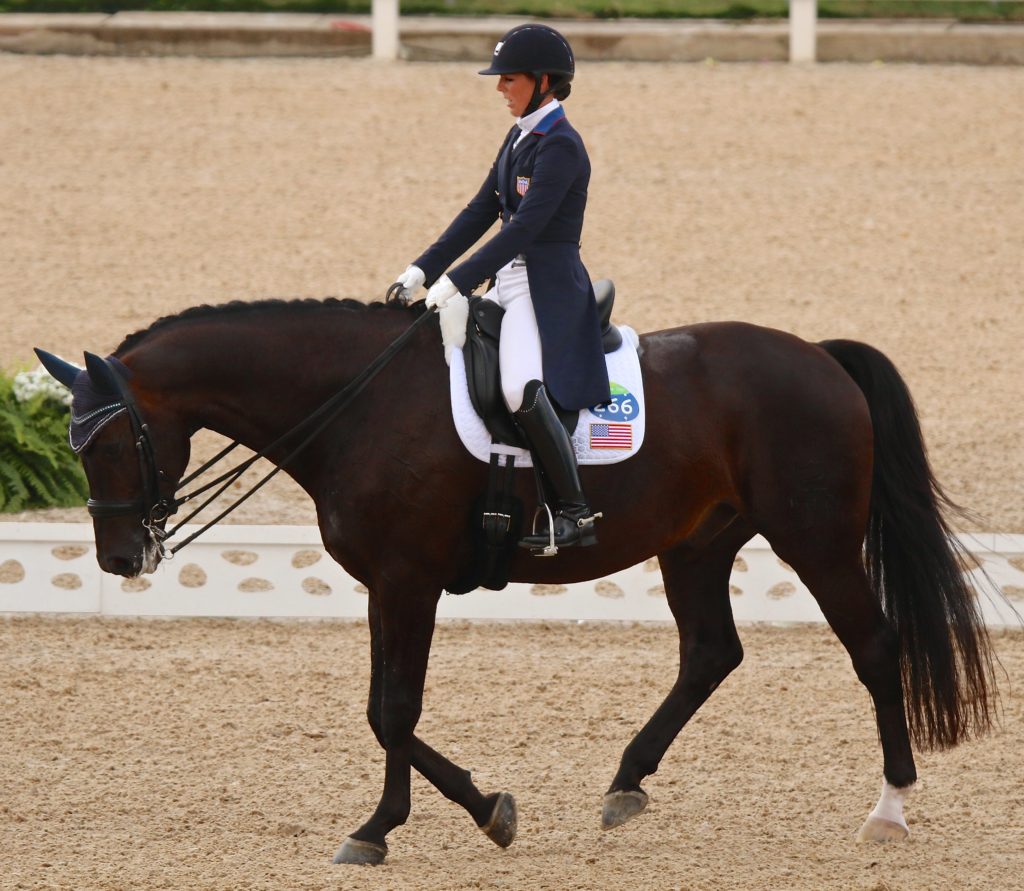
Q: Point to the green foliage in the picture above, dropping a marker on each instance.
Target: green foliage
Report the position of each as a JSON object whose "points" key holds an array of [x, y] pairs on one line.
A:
{"points": [[37, 466]]}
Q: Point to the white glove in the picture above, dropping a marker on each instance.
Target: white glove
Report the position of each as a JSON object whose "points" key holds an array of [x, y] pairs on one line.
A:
{"points": [[411, 280], [441, 292], [454, 316]]}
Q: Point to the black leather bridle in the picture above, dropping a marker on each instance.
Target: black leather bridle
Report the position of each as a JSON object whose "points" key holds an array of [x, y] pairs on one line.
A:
{"points": [[155, 508]]}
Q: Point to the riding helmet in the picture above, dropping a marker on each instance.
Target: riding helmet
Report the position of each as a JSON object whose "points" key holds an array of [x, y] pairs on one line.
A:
{"points": [[535, 50]]}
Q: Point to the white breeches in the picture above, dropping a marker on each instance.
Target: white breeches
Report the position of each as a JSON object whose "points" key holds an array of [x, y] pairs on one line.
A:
{"points": [[519, 353]]}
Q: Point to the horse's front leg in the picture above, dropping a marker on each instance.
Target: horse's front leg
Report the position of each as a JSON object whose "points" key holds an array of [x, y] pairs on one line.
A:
{"points": [[494, 814], [406, 628]]}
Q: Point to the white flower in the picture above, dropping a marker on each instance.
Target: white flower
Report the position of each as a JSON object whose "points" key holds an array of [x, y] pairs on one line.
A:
{"points": [[29, 384]]}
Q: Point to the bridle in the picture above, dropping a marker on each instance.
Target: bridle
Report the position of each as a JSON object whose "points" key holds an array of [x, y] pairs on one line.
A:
{"points": [[155, 508]]}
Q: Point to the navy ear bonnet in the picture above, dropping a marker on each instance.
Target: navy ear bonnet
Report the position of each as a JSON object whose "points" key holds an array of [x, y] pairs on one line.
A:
{"points": [[95, 403], [97, 393]]}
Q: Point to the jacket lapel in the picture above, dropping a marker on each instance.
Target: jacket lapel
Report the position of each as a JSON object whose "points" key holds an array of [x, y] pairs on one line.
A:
{"points": [[509, 155], [528, 140], [505, 162]]}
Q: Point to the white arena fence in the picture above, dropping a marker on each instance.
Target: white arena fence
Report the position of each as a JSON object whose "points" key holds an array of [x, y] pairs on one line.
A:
{"points": [[284, 572], [803, 29], [803, 19]]}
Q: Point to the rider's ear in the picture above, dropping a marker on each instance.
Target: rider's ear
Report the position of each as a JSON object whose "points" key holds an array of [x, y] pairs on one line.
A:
{"points": [[63, 372], [101, 374]]}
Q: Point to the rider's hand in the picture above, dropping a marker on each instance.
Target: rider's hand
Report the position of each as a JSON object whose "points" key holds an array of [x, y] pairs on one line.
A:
{"points": [[453, 325], [441, 292], [411, 280]]}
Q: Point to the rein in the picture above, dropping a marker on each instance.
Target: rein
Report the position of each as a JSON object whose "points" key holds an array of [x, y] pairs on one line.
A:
{"points": [[156, 510]]}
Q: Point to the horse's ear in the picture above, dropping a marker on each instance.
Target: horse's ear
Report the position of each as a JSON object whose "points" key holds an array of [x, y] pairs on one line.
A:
{"points": [[101, 375], [61, 371]]}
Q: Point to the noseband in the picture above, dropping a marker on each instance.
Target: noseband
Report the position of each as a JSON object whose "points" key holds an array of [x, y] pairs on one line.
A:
{"points": [[155, 508]]}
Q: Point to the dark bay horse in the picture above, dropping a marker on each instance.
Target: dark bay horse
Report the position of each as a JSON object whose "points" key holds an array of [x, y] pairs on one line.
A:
{"points": [[816, 447]]}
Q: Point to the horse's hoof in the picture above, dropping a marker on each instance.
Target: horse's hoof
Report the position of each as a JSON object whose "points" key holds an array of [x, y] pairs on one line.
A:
{"points": [[620, 807], [875, 829], [361, 853], [501, 828]]}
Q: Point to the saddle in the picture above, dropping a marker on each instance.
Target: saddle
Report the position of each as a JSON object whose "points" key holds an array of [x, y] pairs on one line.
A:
{"points": [[482, 371], [497, 515]]}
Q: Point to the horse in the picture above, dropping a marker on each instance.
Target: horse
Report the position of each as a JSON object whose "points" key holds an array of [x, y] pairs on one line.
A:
{"points": [[750, 430]]}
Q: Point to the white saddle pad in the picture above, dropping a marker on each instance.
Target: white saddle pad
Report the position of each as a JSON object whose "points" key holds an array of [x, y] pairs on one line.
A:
{"points": [[605, 434]]}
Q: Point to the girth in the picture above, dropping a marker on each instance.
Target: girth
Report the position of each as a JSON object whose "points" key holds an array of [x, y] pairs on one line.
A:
{"points": [[482, 369]]}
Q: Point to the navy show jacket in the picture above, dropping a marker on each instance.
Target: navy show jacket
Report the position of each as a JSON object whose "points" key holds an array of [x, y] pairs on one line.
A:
{"points": [[539, 190]]}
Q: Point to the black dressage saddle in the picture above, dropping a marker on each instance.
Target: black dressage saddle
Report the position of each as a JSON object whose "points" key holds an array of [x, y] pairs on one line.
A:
{"points": [[484, 378]]}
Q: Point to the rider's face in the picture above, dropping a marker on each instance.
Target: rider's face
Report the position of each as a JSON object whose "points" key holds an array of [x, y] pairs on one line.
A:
{"points": [[517, 90]]}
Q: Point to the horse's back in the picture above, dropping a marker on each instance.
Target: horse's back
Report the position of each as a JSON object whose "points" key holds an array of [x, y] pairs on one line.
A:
{"points": [[747, 370]]}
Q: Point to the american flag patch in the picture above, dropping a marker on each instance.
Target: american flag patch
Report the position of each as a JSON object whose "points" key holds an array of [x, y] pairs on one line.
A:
{"points": [[522, 184], [611, 436]]}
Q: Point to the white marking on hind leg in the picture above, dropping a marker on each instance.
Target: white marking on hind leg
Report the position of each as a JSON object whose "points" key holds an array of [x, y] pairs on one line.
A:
{"points": [[886, 821]]}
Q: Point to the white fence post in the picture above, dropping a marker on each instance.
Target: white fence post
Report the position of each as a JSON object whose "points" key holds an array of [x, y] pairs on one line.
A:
{"points": [[384, 22], [803, 22]]}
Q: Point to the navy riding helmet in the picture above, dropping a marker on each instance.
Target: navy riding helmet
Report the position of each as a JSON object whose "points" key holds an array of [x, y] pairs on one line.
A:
{"points": [[536, 50]]}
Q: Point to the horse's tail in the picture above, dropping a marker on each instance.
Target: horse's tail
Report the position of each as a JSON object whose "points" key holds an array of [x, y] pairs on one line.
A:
{"points": [[916, 566]]}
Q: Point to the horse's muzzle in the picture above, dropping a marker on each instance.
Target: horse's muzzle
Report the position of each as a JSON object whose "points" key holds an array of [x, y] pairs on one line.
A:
{"points": [[133, 566], [126, 567]]}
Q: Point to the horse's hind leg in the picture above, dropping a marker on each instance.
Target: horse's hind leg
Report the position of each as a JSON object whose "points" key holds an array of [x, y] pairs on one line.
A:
{"points": [[841, 587], [697, 588]]}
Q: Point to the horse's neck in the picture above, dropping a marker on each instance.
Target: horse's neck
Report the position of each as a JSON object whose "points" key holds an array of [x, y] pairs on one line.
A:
{"points": [[256, 381]]}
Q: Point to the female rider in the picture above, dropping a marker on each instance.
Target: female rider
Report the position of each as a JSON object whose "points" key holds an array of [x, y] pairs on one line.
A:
{"points": [[550, 346]]}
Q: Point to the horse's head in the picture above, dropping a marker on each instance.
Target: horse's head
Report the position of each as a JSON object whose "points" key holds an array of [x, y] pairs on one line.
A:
{"points": [[134, 451]]}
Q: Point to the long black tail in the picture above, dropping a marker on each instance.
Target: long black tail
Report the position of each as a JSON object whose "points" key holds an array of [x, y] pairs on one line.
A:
{"points": [[916, 566]]}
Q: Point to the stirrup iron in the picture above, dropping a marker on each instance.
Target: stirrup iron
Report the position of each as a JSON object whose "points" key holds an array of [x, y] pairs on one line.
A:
{"points": [[551, 549]]}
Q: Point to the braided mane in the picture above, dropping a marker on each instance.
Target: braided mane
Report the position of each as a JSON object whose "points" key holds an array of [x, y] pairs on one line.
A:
{"points": [[265, 307]]}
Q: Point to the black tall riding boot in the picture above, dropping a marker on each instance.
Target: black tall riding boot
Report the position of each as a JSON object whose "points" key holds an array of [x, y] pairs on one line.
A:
{"points": [[552, 449]]}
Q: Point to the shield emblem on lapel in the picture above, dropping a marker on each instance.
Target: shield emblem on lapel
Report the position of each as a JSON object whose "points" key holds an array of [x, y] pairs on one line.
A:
{"points": [[522, 184]]}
